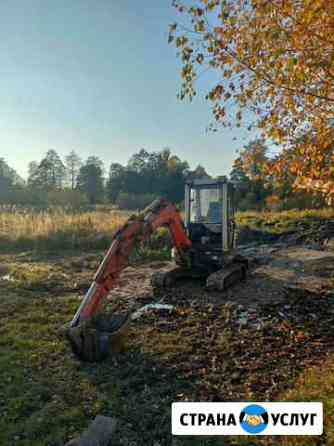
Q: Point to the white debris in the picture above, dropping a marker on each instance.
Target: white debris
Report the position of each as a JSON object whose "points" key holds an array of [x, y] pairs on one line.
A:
{"points": [[137, 314], [8, 277]]}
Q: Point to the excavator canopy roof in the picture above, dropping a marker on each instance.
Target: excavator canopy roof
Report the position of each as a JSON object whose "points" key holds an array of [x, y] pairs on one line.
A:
{"points": [[206, 182]]}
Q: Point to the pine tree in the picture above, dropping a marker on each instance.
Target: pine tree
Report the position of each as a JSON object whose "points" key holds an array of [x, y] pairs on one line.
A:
{"points": [[73, 164], [50, 173], [90, 180]]}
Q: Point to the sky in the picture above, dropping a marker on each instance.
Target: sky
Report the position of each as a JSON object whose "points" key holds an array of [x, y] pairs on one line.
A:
{"points": [[98, 77]]}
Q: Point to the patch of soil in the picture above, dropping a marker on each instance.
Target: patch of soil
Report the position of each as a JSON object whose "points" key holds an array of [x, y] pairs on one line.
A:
{"points": [[272, 271]]}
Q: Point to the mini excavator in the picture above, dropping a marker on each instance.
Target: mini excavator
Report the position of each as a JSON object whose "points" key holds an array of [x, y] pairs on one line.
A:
{"points": [[203, 247]]}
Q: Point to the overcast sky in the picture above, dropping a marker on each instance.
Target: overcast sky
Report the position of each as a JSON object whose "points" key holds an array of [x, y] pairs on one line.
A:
{"points": [[98, 76]]}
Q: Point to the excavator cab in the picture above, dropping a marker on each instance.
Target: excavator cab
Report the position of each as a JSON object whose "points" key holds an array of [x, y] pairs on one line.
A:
{"points": [[209, 221], [209, 225]]}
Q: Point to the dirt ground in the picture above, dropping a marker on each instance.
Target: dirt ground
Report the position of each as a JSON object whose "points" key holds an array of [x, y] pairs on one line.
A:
{"points": [[250, 342]]}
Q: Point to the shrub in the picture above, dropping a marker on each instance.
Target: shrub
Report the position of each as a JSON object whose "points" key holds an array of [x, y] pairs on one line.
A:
{"points": [[134, 201], [274, 202], [248, 202], [67, 198]]}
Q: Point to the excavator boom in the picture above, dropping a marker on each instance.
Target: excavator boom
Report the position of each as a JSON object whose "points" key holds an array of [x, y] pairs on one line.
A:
{"points": [[137, 229]]}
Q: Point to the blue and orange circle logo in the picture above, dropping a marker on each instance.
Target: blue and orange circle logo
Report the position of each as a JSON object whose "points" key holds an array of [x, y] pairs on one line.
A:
{"points": [[254, 419]]}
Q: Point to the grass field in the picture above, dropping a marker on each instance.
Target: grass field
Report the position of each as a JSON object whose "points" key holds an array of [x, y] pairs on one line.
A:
{"points": [[48, 397], [57, 229]]}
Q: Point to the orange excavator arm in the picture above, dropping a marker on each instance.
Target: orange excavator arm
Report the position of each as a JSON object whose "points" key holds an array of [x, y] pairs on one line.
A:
{"points": [[137, 229]]}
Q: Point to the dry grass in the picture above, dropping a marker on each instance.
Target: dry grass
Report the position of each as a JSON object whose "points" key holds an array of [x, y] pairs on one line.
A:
{"points": [[27, 229], [56, 229]]}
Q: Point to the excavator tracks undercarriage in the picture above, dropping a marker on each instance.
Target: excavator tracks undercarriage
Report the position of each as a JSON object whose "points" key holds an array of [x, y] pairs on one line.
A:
{"points": [[167, 279], [225, 278], [220, 280]]}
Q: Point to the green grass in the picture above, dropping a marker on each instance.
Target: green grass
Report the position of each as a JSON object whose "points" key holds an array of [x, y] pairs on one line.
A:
{"points": [[315, 384], [46, 395], [42, 386]]}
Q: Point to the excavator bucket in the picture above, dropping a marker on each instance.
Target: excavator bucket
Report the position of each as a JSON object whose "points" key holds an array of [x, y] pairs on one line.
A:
{"points": [[93, 340]]}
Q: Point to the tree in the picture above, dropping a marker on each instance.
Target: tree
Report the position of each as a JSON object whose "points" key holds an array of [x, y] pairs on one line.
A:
{"points": [[10, 183], [240, 180], [139, 161], [90, 180], [238, 175], [10, 173], [150, 174], [6, 182], [254, 159], [273, 58], [96, 161], [254, 162], [115, 182], [49, 174], [73, 164], [198, 173], [32, 172]]}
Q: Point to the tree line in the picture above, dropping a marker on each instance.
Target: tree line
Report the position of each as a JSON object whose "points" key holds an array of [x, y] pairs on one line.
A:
{"points": [[257, 188], [75, 183]]}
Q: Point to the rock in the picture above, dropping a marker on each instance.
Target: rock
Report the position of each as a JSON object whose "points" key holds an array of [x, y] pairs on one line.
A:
{"points": [[319, 263], [236, 376], [99, 433], [243, 320], [4, 269], [329, 244], [74, 442], [305, 289]]}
